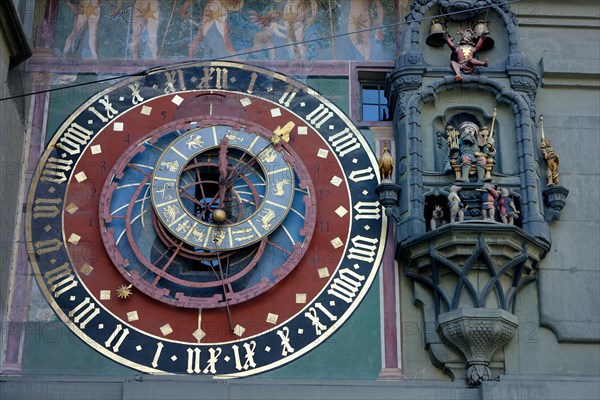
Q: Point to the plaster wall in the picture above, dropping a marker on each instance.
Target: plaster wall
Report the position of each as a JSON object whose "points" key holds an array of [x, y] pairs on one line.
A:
{"points": [[564, 44], [12, 139]]}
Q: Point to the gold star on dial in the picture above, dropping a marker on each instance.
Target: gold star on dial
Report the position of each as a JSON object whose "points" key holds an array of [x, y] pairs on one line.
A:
{"points": [[123, 291]]}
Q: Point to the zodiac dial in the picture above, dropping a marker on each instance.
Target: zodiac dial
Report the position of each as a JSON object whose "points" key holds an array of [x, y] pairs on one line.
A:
{"points": [[212, 219]]}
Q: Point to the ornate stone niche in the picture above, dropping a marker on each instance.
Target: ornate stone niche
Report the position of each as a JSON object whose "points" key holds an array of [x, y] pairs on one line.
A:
{"points": [[468, 266]]}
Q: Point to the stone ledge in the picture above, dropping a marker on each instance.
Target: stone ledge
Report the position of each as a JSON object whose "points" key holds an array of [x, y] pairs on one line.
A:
{"points": [[574, 73]]}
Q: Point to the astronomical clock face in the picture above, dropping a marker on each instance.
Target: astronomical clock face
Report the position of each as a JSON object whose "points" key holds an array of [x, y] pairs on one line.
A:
{"points": [[214, 219]]}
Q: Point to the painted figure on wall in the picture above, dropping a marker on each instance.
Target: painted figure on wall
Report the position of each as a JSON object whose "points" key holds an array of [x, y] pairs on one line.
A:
{"points": [[145, 14], [362, 21], [215, 13], [298, 15], [170, 29], [463, 56], [270, 25], [86, 11]]}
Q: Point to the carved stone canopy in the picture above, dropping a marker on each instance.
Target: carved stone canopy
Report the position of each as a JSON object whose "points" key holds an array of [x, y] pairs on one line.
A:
{"points": [[473, 271], [474, 263]]}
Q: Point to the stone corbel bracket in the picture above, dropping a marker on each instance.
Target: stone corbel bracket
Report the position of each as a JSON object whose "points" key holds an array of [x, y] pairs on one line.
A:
{"points": [[473, 271], [555, 198]]}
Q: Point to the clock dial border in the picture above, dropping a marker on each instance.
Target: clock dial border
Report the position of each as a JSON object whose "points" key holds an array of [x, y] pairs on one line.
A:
{"points": [[348, 283]]}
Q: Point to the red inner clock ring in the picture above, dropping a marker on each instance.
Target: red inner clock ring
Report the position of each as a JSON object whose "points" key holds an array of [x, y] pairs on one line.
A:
{"points": [[176, 246], [184, 321]]}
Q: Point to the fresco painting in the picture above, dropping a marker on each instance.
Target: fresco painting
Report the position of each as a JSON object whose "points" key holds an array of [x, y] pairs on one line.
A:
{"points": [[292, 30]]}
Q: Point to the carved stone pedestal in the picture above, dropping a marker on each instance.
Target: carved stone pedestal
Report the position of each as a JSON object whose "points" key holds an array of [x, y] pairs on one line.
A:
{"points": [[555, 198], [466, 276], [477, 333]]}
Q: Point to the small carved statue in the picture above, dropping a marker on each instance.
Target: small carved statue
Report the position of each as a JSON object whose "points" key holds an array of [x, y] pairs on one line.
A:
{"points": [[437, 217], [488, 201], [552, 161], [506, 207], [386, 163], [474, 146], [452, 135], [463, 57], [455, 204]]}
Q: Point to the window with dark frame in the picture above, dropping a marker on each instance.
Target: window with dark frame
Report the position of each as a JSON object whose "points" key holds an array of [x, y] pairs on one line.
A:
{"points": [[374, 105]]}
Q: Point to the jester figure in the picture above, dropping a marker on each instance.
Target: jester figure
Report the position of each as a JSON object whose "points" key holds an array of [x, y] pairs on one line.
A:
{"points": [[463, 55], [488, 201]]}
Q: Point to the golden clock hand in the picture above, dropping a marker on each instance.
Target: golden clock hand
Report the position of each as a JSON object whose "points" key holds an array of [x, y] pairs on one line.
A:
{"points": [[219, 218], [278, 135]]}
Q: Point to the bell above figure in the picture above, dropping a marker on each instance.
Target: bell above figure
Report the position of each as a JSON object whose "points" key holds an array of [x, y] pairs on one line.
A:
{"points": [[481, 29], [437, 34]]}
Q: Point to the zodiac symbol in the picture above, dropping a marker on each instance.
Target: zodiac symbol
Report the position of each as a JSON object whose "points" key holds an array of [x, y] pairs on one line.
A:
{"points": [[194, 142], [171, 212], [183, 226], [218, 237], [241, 239], [172, 166], [231, 135], [269, 155], [278, 191], [165, 187], [199, 235], [243, 230], [266, 219]]}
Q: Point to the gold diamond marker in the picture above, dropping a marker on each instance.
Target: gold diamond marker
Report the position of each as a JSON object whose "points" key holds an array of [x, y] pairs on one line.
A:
{"points": [[239, 330], [132, 316], [177, 99], [199, 334], [323, 272], [300, 298], [322, 153], [336, 181], [86, 269], [337, 243], [272, 318], [105, 295], [72, 208], [80, 177], [166, 329], [74, 239], [96, 149], [341, 211]]}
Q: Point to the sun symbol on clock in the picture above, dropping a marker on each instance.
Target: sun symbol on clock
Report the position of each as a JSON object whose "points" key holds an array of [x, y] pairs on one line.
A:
{"points": [[124, 291]]}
